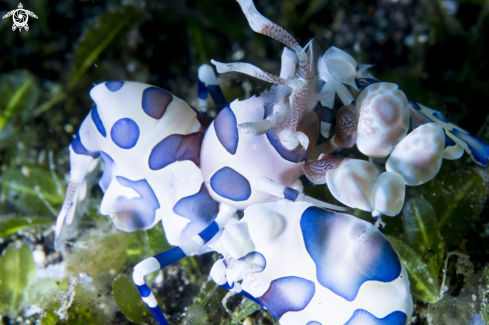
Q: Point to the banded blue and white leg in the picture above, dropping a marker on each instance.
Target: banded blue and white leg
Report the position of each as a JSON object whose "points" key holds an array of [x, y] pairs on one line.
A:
{"points": [[208, 84], [227, 215]]}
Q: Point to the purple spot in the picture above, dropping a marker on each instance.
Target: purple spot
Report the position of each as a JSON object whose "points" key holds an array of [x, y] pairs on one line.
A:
{"points": [[231, 185], [80, 149], [155, 101], [199, 208], [256, 260], [347, 251], [288, 294], [125, 133], [98, 122], [114, 86], [313, 323], [136, 213], [227, 129], [292, 156], [441, 117], [448, 141], [363, 317], [107, 175], [479, 149], [176, 147]]}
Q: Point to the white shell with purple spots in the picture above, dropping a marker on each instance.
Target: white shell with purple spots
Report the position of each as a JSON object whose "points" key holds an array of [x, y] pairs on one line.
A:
{"points": [[229, 161], [316, 266], [142, 186]]}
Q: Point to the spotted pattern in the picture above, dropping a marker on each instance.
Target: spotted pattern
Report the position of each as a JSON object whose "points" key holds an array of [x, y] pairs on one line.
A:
{"points": [[98, 122], [107, 175], [347, 251], [226, 128], [80, 149], [125, 133], [288, 294], [176, 147], [479, 149], [363, 317], [292, 156], [115, 85], [230, 184], [155, 101], [199, 208], [136, 213]]}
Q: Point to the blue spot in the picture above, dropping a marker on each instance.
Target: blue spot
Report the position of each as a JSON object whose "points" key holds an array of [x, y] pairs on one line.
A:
{"points": [[136, 213], [227, 129], [199, 208], [80, 149], [107, 175], [217, 96], [288, 294], [125, 133], [256, 260], [448, 141], [231, 185], [114, 86], [176, 147], [347, 251], [292, 156], [98, 122], [313, 323], [441, 117], [290, 194], [165, 152], [202, 90], [363, 317], [365, 82], [155, 101], [479, 149]]}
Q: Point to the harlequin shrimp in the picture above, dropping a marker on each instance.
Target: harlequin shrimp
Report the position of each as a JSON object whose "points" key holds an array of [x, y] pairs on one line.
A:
{"points": [[164, 160]]}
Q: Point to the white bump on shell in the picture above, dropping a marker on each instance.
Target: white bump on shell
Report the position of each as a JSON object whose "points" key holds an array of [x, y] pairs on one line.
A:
{"points": [[389, 193], [384, 119], [418, 157], [353, 183]]}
